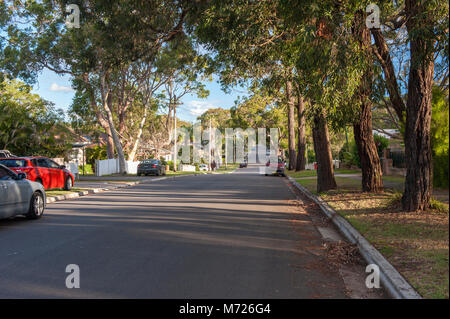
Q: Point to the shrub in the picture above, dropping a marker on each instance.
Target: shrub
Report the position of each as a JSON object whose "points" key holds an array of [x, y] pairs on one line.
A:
{"points": [[348, 154], [382, 143], [87, 169], [440, 170]]}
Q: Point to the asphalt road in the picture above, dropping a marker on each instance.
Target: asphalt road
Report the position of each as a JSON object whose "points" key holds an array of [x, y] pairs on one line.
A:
{"points": [[209, 236]]}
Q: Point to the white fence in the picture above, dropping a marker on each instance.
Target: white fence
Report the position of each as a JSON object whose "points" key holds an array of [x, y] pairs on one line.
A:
{"points": [[187, 168], [111, 166], [312, 166]]}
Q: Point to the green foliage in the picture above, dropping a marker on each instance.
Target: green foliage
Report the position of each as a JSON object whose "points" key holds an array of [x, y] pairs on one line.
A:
{"points": [[348, 154], [311, 156], [440, 137], [88, 169], [382, 143], [96, 153], [219, 118], [30, 125]]}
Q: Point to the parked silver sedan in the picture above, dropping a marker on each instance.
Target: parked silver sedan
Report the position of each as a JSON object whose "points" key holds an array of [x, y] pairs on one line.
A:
{"points": [[19, 196]]}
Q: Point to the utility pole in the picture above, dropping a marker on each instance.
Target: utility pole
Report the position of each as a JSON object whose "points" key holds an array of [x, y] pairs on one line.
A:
{"points": [[175, 144], [226, 147], [210, 145]]}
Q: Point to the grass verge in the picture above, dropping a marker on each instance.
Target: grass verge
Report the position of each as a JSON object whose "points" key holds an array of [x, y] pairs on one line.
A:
{"points": [[417, 244], [311, 173]]}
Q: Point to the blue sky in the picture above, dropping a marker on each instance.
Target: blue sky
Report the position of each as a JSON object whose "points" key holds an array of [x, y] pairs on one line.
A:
{"points": [[57, 89]]}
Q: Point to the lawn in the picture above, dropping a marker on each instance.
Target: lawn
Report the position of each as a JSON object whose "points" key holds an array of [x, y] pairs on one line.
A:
{"points": [[311, 173], [417, 244]]}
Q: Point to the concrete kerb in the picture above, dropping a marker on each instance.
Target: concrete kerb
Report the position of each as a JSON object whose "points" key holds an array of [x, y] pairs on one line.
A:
{"points": [[394, 283]]}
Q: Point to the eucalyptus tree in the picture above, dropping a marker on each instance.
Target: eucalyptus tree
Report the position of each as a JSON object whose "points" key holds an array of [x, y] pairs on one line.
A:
{"points": [[424, 24], [219, 117], [111, 35], [249, 41], [30, 125]]}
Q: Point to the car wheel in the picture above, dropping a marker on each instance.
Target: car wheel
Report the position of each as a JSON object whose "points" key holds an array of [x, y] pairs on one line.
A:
{"points": [[138, 174], [37, 206], [68, 184], [157, 173]]}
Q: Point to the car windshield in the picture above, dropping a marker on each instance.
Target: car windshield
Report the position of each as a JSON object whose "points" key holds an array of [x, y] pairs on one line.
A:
{"points": [[13, 162]]}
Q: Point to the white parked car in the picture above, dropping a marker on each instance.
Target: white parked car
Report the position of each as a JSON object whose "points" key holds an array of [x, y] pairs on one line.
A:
{"points": [[203, 167], [19, 196]]}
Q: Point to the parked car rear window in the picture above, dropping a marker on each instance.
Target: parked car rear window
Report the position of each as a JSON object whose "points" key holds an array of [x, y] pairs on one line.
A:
{"points": [[13, 162], [150, 162]]}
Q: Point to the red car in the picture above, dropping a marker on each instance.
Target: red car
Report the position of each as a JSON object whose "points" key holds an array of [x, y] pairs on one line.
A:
{"points": [[276, 168], [42, 170]]}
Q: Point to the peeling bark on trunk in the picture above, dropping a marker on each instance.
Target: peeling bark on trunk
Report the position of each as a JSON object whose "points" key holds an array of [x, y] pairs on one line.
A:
{"points": [[291, 125], [115, 136], [370, 162], [301, 159], [109, 144], [419, 173], [133, 152], [367, 149], [322, 148]]}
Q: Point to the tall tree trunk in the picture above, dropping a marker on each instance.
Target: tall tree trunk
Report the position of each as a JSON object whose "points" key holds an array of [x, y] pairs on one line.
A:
{"points": [[419, 173], [133, 151], [382, 53], [322, 148], [115, 136], [109, 143], [301, 159], [100, 119], [291, 125], [367, 149], [368, 154]]}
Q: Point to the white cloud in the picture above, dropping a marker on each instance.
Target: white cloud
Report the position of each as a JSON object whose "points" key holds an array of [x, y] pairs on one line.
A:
{"points": [[60, 88], [197, 108]]}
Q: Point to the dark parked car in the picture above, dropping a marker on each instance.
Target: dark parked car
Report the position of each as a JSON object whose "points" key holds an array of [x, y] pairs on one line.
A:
{"points": [[19, 196], [243, 164], [151, 166]]}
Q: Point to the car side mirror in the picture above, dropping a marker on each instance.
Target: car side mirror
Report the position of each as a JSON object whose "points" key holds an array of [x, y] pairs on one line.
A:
{"points": [[21, 176], [62, 167]]}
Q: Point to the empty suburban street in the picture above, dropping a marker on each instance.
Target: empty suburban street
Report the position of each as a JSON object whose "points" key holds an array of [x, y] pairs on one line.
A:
{"points": [[208, 236]]}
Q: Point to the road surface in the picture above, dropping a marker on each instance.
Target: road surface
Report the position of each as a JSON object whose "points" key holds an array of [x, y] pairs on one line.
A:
{"points": [[209, 236]]}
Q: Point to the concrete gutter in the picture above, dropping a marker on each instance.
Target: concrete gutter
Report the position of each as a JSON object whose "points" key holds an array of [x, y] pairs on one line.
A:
{"points": [[394, 283]]}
